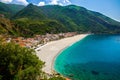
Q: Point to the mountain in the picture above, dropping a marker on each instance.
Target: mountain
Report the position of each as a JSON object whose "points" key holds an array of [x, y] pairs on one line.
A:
{"points": [[74, 18], [31, 11], [4, 9], [31, 20], [86, 19], [10, 9], [15, 7]]}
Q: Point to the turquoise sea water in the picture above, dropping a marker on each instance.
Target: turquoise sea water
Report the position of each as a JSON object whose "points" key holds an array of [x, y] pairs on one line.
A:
{"points": [[96, 57]]}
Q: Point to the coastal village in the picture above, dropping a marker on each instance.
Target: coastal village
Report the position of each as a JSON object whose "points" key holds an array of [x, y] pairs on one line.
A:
{"points": [[39, 40]]}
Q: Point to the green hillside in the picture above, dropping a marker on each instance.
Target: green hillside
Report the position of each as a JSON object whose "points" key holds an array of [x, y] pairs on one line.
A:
{"points": [[32, 20], [74, 18], [4, 9], [9, 9], [28, 27], [6, 27], [15, 7], [84, 19], [31, 12]]}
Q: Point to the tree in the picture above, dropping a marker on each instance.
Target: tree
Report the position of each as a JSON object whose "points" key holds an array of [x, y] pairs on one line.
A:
{"points": [[19, 63]]}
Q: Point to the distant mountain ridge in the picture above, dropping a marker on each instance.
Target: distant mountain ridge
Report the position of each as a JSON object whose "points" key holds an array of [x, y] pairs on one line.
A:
{"points": [[30, 11], [9, 9], [42, 19]]}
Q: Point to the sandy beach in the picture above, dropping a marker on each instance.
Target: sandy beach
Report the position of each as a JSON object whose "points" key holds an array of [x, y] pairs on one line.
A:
{"points": [[49, 51]]}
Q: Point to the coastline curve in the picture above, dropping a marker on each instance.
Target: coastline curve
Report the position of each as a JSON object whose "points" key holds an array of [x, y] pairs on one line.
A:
{"points": [[51, 50]]}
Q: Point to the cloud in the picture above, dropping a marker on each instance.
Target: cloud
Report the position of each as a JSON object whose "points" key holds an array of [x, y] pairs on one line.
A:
{"points": [[23, 2], [41, 3], [6, 1], [60, 2], [67, 1], [55, 2], [38, 2]]}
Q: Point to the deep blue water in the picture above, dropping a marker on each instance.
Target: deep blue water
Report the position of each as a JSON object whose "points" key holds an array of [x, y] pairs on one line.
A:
{"points": [[96, 57]]}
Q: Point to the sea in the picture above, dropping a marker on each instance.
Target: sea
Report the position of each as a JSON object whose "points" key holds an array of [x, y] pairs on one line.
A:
{"points": [[95, 57]]}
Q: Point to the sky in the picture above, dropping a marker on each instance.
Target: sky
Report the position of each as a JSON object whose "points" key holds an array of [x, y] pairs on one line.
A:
{"points": [[110, 8]]}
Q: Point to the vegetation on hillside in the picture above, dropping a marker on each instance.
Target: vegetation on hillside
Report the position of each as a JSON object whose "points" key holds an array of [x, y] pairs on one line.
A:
{"points": [[15, 8], [28, 27], [4, 9], [19, 63], [6, 27], [57, 78], [9, 9]]}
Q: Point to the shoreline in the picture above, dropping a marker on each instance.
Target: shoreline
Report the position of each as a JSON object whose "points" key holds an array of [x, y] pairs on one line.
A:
{"points": [[52, 66], [51, 50]]}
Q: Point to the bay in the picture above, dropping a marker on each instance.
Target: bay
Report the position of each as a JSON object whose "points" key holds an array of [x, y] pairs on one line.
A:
{"points": [[96, 57]]}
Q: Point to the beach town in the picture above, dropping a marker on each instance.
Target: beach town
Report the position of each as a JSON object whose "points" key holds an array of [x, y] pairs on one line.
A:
{"points": [[39, 40]]}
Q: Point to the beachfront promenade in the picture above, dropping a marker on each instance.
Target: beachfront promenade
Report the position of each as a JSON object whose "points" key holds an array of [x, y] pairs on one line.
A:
{"points": [[49, 51]]}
